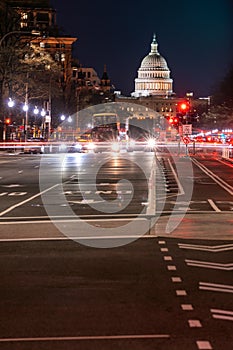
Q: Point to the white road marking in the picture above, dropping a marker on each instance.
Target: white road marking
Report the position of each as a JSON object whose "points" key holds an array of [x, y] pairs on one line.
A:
{"points": [[164, 250], [26, 200], [187, 307], [81, 338], [81, 238], [176, 279], [171, 268], [181, 292], [213, 205], [223, 317], [222, 314], [204, 345], [86, 201], [17, 194], [167, 258], [214, 177], [208, 248], [209, 265], [215, 287], [12, 185], [194, 323]]}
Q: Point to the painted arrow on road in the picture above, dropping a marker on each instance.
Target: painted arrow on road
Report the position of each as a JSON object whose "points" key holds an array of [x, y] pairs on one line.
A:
{"points": [[207, 248], [209, 265]]}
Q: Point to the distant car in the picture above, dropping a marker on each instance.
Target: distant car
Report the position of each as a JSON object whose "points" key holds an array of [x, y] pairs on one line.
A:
{"points": [[34, 146]]}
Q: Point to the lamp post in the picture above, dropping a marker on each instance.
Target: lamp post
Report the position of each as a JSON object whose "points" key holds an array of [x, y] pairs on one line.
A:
{"points": [[20, 32], [7, 121], [33, 32], [25, 108]]}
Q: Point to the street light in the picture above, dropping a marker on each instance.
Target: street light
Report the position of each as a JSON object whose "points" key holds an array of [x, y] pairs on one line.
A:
{"points": [[11, 103], [32, 32], [36, 110], [14, 32]]}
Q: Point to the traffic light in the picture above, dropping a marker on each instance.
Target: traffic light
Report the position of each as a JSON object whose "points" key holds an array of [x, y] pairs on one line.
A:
{"points": [[183, 107], [173, 121], [7, 121], [176, 121]]}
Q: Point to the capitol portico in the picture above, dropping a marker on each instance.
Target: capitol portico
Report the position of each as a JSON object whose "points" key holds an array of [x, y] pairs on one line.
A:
{"points": [[153, 75]]}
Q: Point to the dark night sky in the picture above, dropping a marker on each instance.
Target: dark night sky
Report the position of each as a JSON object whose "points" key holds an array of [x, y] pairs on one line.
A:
{"points": [[194, 36]]}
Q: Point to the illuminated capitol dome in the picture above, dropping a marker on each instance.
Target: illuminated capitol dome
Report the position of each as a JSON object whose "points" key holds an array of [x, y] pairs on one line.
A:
{"points": [[153, 75]]}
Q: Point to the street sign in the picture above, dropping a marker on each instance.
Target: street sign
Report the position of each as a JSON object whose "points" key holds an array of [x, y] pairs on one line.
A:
{"points": [[186, 140], [187, 129]]}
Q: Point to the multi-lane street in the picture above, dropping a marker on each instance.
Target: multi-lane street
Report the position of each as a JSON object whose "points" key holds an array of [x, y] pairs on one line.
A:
{"points": [[164, 282]]}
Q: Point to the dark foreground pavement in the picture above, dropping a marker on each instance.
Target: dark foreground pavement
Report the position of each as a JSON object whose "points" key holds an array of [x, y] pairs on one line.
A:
{"points": [[144, 295]]}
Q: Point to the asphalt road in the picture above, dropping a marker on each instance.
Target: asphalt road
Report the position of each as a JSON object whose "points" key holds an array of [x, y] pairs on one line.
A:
{"points": [[145, 295]]}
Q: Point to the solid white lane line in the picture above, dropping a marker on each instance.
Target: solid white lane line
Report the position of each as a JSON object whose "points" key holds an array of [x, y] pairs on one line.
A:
{"points": [[81, 338], [213, 205], [209, 265], [215, 289], [216, 285], [208, 248], [26, 200], [223, 317], [50, 220], [80, 238], [226, 312], [214, 177]]}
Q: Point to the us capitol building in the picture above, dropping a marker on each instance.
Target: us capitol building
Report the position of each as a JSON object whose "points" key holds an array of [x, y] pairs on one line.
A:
{"points": [[153, 75], [153, 85]]}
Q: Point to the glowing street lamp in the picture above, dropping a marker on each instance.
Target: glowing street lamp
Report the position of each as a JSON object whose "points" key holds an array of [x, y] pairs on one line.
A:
{"points": [[25, 107], [11, 103], [43, 113], [36, 110]]}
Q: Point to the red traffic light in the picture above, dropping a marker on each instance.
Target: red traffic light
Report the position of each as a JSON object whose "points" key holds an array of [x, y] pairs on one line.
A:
{"points": [[7, 121], [183, 106], [173, 121]]}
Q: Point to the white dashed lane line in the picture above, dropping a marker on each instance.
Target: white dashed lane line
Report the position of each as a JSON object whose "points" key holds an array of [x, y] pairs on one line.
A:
{"points": [[182, 293]]}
